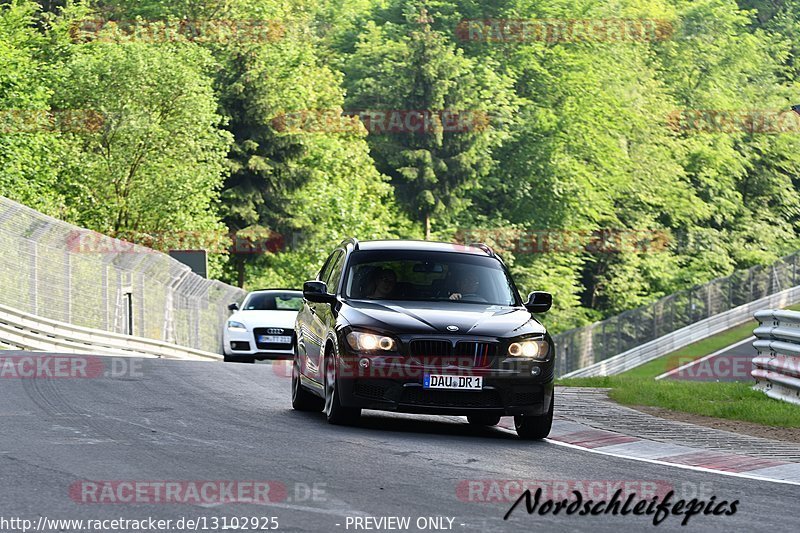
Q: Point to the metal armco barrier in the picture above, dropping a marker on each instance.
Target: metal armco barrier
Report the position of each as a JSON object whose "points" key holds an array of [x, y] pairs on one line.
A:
{"points": [[61, 272], [685, 336], [626, 333], [24, 331], [776, 368]]}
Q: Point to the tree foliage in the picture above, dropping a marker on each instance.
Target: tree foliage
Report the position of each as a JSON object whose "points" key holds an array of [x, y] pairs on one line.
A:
{"points": [[566, 137]]}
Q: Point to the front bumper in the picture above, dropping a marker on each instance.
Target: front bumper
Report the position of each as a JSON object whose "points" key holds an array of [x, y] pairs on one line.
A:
{"points": [[242, 346], [507, 391]]}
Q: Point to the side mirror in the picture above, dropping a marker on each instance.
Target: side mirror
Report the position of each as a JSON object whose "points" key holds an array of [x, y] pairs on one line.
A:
{"points": [[539, 302], [233, 307], [317, 292]]}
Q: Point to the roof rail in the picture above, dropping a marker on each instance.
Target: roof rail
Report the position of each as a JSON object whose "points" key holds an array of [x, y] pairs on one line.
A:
{"points": [[483, 246], [351, 240]]}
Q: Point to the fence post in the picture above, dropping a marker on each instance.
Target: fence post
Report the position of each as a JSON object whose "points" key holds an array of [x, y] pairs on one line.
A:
{"points": [[166, 334], [605, 337], [68, 286], [658, 309], [34, 286], [142, 303], [118, 326], [730, 291], [104, 292], [196, 306]]}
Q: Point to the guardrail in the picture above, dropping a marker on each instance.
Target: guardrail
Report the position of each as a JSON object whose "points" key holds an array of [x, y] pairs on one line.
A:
{"points": [[685, 336], [579, 348], [776, 368], [25, 331], [55, 270]]}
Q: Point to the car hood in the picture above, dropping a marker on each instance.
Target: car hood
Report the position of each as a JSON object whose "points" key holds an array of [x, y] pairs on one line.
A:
{"points": [[259, 319], [435, 317]]}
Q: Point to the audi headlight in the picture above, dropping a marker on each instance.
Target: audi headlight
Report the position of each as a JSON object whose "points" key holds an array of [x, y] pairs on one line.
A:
{"points": [[238, 326], [370, 342], [531, 348]]}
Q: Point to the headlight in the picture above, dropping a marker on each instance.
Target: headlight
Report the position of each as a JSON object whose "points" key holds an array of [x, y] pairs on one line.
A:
{"points": [[232, 324], [535, 349], [370, 342]]}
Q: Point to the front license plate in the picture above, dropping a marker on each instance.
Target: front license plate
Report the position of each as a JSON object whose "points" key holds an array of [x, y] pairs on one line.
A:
{"points": [[275, 339], [443, 381]]}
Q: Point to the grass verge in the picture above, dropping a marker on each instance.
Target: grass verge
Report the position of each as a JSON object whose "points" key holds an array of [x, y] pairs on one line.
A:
{"points": [[733, 401]]}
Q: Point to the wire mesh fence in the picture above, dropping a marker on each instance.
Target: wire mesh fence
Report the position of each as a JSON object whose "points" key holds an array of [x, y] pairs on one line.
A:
{"points": [[578, 348], [111, 285], [46, 270]]}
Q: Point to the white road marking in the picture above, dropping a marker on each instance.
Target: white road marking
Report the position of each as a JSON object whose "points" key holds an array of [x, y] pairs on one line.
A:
{"points": [[665, 463]]}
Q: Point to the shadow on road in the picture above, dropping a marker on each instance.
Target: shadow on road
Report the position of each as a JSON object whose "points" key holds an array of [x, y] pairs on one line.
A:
{"points": [[376, 421]]}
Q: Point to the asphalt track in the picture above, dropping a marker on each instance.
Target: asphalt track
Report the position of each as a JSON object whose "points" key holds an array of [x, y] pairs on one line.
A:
{"points": [[195, 421]]}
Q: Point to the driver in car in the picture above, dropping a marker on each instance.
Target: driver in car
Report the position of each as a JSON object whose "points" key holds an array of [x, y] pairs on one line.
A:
{"points": [[467, 285]]}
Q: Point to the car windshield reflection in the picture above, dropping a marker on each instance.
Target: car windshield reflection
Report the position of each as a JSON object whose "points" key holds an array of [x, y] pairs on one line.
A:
{"points": [[273, 302], [432, 277]]}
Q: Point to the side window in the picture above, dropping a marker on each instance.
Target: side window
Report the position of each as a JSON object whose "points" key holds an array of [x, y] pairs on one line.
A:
{"points": [[336, 273], [326, 268]]}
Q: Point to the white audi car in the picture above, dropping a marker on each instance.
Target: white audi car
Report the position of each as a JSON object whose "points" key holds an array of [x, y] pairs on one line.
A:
{"points": [[263, 328]]}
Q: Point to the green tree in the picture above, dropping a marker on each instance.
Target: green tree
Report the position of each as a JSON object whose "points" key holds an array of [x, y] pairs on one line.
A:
{"points": [[31, 143], [258, 86], [410, 67], [345, 196], [720, 60], [158, 161]]}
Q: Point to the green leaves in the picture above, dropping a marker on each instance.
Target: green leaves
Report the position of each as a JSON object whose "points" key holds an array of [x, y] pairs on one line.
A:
{"points": [[30, 149], [407, 67], [158, 160], [537, 135]]}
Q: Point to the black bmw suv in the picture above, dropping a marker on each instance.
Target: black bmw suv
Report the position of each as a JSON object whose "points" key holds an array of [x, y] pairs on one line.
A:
{"points": [[422, 327]]}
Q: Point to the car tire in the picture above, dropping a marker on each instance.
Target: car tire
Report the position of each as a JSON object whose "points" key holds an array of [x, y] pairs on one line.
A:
{"points": [[483, 420], [302, 399], [335, 412], [535, 427]]}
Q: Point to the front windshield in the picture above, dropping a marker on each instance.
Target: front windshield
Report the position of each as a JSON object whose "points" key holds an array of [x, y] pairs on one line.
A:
{"points": [[273, 301], [428, 276]]}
